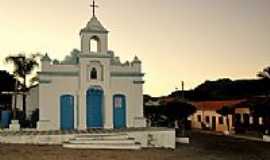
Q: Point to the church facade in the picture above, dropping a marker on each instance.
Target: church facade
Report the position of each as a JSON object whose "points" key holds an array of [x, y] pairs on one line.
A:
{"points": [[94, 91]]}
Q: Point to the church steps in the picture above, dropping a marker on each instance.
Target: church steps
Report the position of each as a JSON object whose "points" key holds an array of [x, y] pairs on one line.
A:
{"points": [[118, 146], [102, 136], [102, 141]]}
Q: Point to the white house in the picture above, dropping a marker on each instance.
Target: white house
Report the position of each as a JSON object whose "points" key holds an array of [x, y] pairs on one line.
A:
{"points": [[94, 91]]}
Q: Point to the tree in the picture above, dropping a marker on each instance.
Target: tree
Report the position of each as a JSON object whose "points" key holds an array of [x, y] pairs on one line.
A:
{"points": [[178, 111], [225, 111], [155, 114], [7, 82], [73, 58], [34, 80], [265, 74], [226, 89], [23, 66], [260, 106]]}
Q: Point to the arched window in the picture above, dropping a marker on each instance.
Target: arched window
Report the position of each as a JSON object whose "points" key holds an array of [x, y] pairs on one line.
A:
{"points": [[94, 44], [93, 74]]}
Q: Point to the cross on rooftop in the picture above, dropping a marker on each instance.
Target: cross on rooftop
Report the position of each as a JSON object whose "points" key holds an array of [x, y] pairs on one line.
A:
{"points": [[94, 6]]}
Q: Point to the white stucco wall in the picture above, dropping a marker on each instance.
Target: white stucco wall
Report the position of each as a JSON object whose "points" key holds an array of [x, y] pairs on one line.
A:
{"points": [[57, 80], [32, 100], [131, 68], [49, 101], [103, 81], [134, 97], [61, 68]]}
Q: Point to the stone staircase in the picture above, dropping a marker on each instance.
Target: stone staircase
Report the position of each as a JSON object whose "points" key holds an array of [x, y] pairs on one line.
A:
{"points": [[103, 141]]}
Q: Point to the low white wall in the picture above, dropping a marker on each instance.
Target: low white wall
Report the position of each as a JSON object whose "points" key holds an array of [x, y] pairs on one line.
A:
{"points": [[36, 139], [149, 138], [266, 138], [155, 139], [184, 140]]}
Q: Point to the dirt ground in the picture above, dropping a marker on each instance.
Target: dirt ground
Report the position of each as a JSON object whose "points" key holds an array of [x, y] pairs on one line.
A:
{"points": [[203, 147]]}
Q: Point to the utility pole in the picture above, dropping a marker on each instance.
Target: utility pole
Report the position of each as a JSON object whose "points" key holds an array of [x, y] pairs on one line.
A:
{"points": [[183, 89]]}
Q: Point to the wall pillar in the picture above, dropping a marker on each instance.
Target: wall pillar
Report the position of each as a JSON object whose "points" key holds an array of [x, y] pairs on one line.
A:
{"points": [[82, 111], [108, 111]]}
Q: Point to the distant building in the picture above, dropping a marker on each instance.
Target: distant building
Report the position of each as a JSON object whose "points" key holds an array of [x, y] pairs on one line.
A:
{"points": [[152, 103], [155, 101], [246, 118], [206, 116]]}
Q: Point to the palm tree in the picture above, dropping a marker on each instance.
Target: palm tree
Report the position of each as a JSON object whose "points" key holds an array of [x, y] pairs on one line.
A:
{"points": [[265, 74], [23, 66]]}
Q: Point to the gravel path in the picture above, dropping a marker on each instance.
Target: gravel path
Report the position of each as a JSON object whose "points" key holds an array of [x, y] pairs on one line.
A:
{"points": [[202, 147]]}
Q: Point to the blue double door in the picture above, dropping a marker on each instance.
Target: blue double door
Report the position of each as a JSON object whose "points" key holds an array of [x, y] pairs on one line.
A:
{"points": [[67, 112], [119, 111], [94, 103]]}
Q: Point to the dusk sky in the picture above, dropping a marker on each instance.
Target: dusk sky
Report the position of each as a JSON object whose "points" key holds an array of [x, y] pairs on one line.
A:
{"points": [[189, 40]]}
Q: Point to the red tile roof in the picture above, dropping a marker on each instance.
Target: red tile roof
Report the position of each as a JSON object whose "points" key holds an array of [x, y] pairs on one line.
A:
{"points": [[214, 105]]}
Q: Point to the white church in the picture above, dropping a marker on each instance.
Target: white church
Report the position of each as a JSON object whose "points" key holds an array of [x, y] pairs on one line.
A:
{"points": [[95, 91], [90, 89]]}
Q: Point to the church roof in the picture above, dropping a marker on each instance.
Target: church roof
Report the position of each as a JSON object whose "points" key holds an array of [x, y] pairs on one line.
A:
{"points": [[94, 25]]}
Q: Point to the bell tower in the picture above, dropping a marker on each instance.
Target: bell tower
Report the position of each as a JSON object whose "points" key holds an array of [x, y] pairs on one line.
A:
{"points": [[94, 37]]}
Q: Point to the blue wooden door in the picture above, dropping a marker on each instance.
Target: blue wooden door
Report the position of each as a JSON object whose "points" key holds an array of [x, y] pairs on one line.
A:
{"points": [[119, 111], [5, 118], [67, 112], [94, 108]]}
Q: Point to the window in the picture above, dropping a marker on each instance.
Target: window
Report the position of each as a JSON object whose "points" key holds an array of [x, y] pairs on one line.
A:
{"points": [[207, 119], [93, 74], [220, 120], [199, 117], [118, 102]]}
